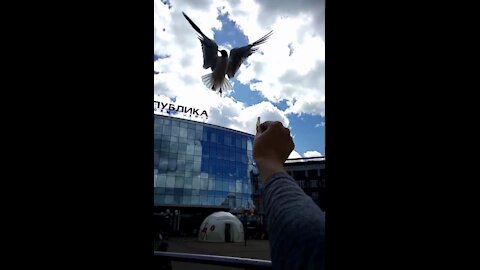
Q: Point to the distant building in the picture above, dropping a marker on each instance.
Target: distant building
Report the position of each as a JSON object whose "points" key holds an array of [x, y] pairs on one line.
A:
{"points": [[309, 173]]}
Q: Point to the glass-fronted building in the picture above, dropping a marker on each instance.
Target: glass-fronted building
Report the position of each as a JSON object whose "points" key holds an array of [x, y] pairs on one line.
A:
{"points": [[199, 165]]}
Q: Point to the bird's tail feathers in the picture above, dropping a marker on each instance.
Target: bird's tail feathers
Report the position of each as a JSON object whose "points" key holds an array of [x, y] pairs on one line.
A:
{"points": [[209, 82], [226, 85]]}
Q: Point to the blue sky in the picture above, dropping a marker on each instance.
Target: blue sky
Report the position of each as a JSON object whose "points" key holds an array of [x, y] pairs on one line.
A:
{"points": [[293, 92]]}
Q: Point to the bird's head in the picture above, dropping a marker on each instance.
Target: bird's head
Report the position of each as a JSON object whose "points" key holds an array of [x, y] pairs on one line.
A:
{"points": [[224, 53]]}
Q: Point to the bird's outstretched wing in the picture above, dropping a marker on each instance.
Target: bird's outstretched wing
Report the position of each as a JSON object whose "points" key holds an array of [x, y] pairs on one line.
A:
{"points": [[209, 47], [238, 55]]}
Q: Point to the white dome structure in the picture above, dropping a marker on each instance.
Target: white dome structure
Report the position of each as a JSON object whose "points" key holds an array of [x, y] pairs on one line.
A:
{"points": [[221, 227]]}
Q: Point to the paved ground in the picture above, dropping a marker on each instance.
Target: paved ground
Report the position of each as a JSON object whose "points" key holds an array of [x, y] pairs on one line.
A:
{"points": [[255, 249]]}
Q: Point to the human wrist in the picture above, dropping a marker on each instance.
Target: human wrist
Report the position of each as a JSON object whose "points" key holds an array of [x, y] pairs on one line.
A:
{"points": [[268, 167]]}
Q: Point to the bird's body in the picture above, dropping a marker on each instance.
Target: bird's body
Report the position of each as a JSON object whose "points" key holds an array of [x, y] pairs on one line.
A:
{"points": [[216, 80], [224, 64]]}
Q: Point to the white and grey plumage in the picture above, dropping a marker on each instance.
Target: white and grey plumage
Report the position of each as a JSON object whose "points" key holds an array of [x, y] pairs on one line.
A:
{"points": [[223, 65]]}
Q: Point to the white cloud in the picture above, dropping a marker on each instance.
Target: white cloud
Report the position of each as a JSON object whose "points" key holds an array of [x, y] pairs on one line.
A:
{"points": [[227, 46], [298, 78], [294, 154], [312, 154], [322, 124]]}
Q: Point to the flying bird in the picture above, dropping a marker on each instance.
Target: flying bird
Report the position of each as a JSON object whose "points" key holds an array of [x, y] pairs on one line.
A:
{"points": [[224, 64]]}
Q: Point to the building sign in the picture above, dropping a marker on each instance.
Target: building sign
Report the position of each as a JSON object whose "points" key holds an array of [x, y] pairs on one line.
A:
{"points": [[173, 109]]}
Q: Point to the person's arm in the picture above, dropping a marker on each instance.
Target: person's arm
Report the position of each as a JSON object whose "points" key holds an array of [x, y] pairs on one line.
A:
{"points": [[295, 224]]}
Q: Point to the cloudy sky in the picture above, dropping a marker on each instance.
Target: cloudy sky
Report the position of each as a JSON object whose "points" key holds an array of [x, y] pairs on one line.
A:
{"points": [[284, 80]]}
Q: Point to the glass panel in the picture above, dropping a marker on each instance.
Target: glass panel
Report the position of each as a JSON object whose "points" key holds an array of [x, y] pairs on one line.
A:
{"points": [[238, 186], [172, 164], [249, 144], [177, 199], [161, 180], [170, 181], [168, 199], [167, 130], [181, 166], [183, 132], [195, 183], [188, 182], [231, 186], [225, 186], [203, 183], [228, 139], [213, 137], [188, 167], [187, 200], [179, 181], [175, 131], [203, 200], [190, 149], [159, 199], [190, 134], [198, 149], [160, 190], [211, 184], [195, 200], [198, 135], [196, 166]]}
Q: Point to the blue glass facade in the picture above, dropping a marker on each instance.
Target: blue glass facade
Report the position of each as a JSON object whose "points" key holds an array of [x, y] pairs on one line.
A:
{"points": [[198, 164]]}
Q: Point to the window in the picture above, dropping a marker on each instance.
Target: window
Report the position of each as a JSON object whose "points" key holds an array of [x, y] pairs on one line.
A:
{"points": [[220, 138], [198, 135], [298, 175], [312, 173], [173, 147], [181, 165], [213, 137], [211, 184], [238, 141], [179, 182], [314, 183], [195, 200], [188, 182], [170, 181], [228, 140], [175, 131], [186, 200], [315, 196], [190, 134], [167, 130], [183, 132], [161, 180], [195, 183], [172, 164]]}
